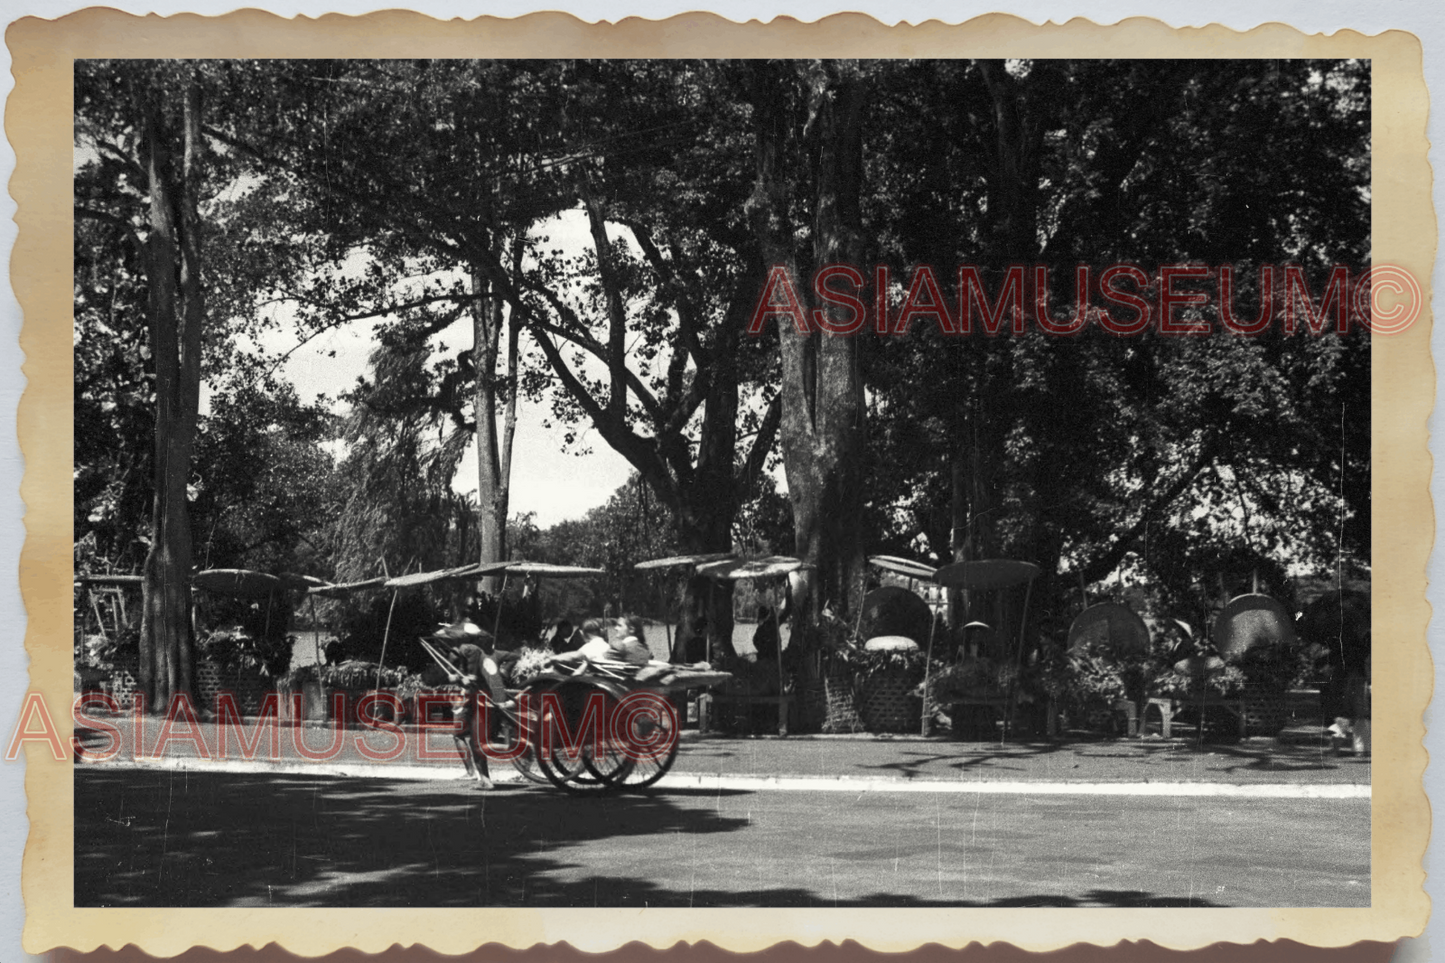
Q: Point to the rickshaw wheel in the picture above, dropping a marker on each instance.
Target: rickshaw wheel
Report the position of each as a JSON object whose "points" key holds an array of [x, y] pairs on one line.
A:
{"points": [[632, 772], [527, 762], [580, 774]]}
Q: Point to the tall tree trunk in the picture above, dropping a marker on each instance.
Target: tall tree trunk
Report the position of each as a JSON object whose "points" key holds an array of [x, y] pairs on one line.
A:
{"points": [[709, 502], [822, 431], [705, 622], [494, 453], [1012, 238], [176, 313]]}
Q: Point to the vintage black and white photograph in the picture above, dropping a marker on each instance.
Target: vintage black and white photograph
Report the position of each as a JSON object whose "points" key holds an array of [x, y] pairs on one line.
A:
{"points": [[724, 483]]}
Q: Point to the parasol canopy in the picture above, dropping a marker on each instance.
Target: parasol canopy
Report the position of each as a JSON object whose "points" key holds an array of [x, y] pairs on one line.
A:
{"points": [[895, 611], [544, 570], [739, 570], [1249, 621], [1112, 625], [987, 574], [682, 561], [474, 570], [237, 582], [902, 566]]}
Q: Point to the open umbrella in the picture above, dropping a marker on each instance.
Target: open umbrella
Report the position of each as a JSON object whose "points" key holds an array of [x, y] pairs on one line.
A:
{"points": [[342, 589], [682, 561], [462, 572], [894, 610], [986, 574]]}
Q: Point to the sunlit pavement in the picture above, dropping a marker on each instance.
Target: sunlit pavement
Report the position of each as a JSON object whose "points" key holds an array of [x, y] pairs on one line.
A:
{"points": [[902, 822]]}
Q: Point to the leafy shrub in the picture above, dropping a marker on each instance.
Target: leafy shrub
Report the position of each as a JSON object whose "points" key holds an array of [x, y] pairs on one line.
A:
{"points": [[236, 650], [357, 676]]}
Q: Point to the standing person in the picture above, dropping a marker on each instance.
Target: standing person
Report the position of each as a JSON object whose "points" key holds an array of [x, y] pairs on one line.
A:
{"points": [[473, 667]]}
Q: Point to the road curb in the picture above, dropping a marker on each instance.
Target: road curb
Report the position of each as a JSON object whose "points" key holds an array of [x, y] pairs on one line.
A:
{"points": [[712, 781]]}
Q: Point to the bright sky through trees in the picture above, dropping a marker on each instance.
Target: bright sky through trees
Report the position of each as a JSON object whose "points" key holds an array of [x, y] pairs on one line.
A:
{"points": [[553, 483]]}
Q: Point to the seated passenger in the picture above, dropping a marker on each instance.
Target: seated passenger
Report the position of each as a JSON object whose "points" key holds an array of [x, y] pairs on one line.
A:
{"points": [[627, 644], [561, 636], [594, 645]]}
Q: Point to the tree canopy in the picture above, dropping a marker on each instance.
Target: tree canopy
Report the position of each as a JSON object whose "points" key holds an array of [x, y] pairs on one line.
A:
{"points": [[596, 235]]}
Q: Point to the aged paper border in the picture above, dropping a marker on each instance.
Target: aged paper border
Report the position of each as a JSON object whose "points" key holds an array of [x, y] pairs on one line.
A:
{"points": [[38, 123]]}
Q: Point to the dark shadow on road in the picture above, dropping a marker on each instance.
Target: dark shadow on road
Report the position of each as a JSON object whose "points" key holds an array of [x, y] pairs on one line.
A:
{"points": [[1227, 757], [967, 756], [176, 838], [207, 839]]}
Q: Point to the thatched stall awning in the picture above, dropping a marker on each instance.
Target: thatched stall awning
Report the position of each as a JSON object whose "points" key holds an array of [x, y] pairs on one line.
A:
{"points": [[238, 583], [545, 570], [682, 561], [906, 567], [740, 570], [460, 573], [987, 574], [343, 589]]}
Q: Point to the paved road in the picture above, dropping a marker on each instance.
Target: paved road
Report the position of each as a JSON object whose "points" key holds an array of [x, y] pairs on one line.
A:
{"points": [[148, 837]]}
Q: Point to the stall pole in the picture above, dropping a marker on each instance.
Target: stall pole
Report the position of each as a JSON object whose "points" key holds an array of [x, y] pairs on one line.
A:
{"points": [[778, 631], [315, 634], [497, 622], [1010, 709], [711, 629], [384, 637], [95, 607], [927, 668]]}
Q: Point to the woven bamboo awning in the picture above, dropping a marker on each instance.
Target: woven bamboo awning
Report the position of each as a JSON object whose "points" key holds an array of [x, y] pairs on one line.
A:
{"points": [[682, 561], [739, 570]]}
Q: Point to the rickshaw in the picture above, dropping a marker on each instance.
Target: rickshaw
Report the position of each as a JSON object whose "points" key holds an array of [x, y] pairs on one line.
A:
{"points": [[1115, 629], [638, 741], [898, 618], [1246, 626], [639, 738], [987, 585]]}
